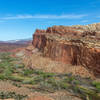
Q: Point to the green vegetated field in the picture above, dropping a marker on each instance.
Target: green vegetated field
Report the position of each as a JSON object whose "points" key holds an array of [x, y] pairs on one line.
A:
{"points": [[14, 71]]}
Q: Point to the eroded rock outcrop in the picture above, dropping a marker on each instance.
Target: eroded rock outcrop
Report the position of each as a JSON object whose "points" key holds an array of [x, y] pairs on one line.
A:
{"points": [[77, 45]]}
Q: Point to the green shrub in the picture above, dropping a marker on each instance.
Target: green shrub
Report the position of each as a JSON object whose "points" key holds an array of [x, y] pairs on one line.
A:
{"points": [[8, 71], [19, 66], [97, 85], [38, 72], [7, 95], [69, 79], [38, 79], [64, 85], [75, 89], [2, 77], [16, 78], [47, 75], [27, 72], [31, 81], [54, 83]]}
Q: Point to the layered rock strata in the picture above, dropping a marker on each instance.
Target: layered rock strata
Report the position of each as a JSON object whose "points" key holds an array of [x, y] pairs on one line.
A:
{"points": [[77, 45]]}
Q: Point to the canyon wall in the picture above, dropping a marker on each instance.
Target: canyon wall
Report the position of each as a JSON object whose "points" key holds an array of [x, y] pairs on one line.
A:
{"points": [[72, 45]]}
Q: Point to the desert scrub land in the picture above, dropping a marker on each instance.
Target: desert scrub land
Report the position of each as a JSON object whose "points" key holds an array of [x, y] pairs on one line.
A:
{"points": [[18, 82]]}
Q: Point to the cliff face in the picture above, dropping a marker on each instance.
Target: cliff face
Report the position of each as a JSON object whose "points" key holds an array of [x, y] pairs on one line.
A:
{"points": [[90, 58], [75, 45]]}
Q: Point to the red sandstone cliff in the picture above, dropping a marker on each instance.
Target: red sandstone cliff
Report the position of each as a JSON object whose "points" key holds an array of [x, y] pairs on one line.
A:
{"points": [[77, 45]]}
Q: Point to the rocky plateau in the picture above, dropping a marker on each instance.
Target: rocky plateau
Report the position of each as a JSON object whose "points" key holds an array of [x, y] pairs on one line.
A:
{"points": [[76, 45]]}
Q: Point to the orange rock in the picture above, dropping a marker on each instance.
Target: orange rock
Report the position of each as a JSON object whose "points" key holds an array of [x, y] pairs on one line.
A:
{"points": [[40, 98], [68, 45]]}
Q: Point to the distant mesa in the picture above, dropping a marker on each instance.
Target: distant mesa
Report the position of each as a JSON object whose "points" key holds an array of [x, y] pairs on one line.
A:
{"points": [[12, 45], [18, 41]]}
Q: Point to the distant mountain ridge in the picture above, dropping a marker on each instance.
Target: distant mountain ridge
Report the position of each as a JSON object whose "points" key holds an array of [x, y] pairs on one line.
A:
{"points": [[18, 41], [12, 45]]}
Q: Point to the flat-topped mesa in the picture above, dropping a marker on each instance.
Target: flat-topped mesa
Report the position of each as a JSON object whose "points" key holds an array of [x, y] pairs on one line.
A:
{"points": [[71, 45], [76, 30]]}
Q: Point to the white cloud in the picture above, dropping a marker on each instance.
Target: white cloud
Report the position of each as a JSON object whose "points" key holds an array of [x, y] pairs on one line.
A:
{"points": [[68, 16], [84, 21]]}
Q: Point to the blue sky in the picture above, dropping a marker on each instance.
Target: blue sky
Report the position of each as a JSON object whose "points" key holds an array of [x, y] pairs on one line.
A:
{"points": [[20, 18]]}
